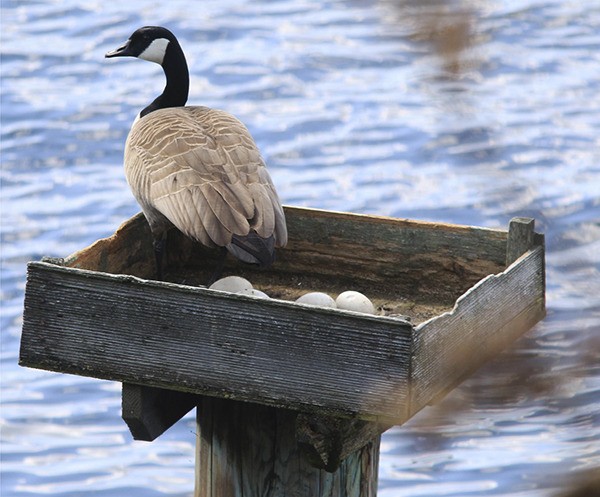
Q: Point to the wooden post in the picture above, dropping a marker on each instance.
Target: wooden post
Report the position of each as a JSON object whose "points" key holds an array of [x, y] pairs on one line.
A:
{"points": [[250, 450]]}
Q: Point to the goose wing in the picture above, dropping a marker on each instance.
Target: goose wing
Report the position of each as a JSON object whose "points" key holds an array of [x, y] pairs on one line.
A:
{"points": [[201, 169]]}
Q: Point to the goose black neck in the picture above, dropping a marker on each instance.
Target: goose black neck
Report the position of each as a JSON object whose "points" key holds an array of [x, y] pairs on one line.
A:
{"points": [[176, 91]]}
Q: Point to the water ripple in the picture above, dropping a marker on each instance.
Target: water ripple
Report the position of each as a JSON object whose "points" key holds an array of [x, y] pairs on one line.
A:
{"points": [[356, 106]]}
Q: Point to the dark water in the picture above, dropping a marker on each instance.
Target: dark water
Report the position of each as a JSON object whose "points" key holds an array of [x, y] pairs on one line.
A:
{"points": [[469, 112]]}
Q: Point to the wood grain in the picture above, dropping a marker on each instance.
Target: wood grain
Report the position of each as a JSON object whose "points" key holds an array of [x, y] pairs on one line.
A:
{"points": [[414, 260], [327, 441], [293, 399], [319, 361], [150, 411], [521, 237], [206, 342], [484, 321], [248, 450]]}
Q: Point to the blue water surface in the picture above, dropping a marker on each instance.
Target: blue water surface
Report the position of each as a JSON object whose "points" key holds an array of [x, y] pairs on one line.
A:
{"points": [[467, 112]]}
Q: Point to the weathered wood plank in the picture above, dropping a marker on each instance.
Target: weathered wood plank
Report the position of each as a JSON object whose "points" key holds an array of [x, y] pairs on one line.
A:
{"points": [[319, 385], [315, 227], [150, 411], [206, 342], [521, 236], [427, 261], [483, 322], [439, 261], [400, 236], [127, 251], [248, 450]]}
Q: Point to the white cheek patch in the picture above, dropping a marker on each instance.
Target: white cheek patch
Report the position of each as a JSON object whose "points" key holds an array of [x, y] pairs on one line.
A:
{"points": [[155, 51]]}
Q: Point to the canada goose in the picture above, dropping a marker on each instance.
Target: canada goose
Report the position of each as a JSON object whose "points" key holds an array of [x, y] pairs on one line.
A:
{"points": [[197, 168]]}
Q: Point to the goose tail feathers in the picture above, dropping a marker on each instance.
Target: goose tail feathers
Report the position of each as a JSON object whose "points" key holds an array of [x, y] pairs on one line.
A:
{"points": [[253, 249]]}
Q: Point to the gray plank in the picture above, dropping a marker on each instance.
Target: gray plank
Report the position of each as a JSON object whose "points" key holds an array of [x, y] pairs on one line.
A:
{"points": [[521, 236], [375, 252], [484, 321], [206, 342]]}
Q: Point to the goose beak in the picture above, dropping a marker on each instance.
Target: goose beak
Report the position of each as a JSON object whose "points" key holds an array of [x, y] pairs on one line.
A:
{"points": [[122, 51]]}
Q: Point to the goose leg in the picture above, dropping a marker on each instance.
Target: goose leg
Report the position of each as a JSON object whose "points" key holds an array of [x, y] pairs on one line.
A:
{"points": [[218, 271], [159, 245]]}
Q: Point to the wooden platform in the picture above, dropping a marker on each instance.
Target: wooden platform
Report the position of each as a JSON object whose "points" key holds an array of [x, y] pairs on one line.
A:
{"points": [[467, 292]]}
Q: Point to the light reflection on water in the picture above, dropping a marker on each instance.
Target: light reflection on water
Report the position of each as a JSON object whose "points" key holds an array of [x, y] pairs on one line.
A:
{"points": [[358, 107]]}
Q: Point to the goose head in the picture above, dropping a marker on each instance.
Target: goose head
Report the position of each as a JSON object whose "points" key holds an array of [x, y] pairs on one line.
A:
{"points": [[148, 43], [158, 44]]}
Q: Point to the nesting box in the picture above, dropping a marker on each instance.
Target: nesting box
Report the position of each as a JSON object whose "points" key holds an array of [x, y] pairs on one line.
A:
{"points": [[448, 299]]}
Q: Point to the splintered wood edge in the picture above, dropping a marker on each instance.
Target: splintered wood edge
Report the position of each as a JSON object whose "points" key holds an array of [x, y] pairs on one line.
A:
{"points": [[100, 244]]}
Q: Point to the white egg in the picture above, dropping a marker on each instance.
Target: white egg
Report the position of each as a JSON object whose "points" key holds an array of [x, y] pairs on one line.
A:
{"points": [[355, 301], [255, 293], [316, 298], [233, 284]]}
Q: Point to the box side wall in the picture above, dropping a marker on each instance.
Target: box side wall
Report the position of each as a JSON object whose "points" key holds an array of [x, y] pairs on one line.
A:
{"points": [[128, 251], [204, 342], [424, 262], [417, 260], [484, 321]]}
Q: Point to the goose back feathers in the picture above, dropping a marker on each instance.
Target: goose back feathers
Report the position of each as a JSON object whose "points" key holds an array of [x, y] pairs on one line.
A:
{"points": [[200, 170]]}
